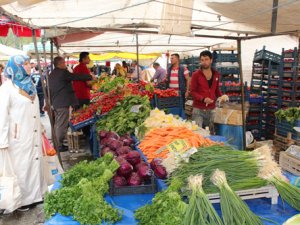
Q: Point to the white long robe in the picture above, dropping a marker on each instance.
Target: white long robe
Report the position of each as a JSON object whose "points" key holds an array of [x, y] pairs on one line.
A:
{"points": [[20, 132]]}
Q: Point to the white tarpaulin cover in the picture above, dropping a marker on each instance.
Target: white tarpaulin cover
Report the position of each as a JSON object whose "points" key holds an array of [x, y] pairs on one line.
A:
{"points": [[112, 24]]}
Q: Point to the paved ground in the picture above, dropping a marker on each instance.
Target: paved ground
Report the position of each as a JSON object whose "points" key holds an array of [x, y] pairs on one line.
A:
{"points": [[35, 216]]}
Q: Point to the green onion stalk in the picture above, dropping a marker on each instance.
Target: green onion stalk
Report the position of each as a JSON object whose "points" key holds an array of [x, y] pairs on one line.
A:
{"points": [[200, 210], [271, 172], [234, 210]]}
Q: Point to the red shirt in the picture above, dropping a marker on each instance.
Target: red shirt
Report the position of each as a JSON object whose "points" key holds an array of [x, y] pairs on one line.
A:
{"points": [[82, 90], [200, 89]]}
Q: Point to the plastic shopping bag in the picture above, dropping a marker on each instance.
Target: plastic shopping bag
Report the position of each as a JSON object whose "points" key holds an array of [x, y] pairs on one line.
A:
{"points": [[10, 192], [51, 163]]}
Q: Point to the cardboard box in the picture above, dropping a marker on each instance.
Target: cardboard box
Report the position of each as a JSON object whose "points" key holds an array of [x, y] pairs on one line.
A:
{"points": [[228, 116]]}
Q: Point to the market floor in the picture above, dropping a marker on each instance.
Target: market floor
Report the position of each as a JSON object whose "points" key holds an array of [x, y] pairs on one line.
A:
{"points": [[35, 216]]}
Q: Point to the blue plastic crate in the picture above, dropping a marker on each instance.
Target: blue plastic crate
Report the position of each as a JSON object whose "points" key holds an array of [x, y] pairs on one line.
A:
{"points": [[256, 100], [266, 55], [170, 102], [227, 57], [228, 70], [83, 124]]}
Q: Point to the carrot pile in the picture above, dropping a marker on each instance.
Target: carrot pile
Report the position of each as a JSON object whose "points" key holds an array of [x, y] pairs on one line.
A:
{"points": [[161, 137]]}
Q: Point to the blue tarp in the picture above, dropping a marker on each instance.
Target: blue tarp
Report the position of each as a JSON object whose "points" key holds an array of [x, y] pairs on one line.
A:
{"points": [[129, 203], [233, 134]]}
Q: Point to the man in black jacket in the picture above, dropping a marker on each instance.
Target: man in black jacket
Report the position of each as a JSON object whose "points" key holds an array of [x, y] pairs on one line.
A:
{"points": [[63, 97]]}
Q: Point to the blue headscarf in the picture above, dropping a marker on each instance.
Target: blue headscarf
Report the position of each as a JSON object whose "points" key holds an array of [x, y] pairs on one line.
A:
{"points": [[15, 71]]}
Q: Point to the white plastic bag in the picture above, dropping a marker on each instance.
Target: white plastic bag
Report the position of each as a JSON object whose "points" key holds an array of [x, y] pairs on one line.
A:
{"points": [[10, 192], [51, 164]]}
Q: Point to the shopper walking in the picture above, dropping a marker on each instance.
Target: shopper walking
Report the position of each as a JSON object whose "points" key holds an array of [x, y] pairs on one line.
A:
{"points": [[20, 130], [178, 77], [63, 97], [205, 91]]}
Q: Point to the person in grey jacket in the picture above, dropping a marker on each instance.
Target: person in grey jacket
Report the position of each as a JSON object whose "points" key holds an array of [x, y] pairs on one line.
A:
{"points": [[62, 97]]}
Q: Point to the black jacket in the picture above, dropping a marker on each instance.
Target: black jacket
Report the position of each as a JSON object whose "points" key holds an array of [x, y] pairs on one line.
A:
{"points": [[61, 90]]}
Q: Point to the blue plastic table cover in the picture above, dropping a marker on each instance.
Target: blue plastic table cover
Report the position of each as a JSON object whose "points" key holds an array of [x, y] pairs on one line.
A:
{"points": [[129, 203]]}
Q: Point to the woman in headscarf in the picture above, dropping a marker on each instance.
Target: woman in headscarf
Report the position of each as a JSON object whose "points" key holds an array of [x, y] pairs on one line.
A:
{"points": [[20, 129]]}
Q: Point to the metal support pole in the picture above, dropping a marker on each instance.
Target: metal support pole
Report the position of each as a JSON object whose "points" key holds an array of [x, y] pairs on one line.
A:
{"points": [[274, 16], [51, 51], [239, 48], [137, 56], [47, 97]]}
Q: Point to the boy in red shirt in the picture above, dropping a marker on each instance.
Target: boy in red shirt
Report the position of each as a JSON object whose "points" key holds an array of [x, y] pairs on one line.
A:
{"points": [[205, 91]]}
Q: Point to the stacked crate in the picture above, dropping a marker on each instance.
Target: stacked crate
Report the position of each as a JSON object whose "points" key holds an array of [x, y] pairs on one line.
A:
{"points": [[226, 62], [265, 77], [289, 79]]}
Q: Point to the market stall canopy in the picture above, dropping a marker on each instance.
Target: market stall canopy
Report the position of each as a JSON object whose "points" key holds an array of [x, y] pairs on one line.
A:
{"points": [[166, 24], [6, 52], [18, 29], [120, 55]]}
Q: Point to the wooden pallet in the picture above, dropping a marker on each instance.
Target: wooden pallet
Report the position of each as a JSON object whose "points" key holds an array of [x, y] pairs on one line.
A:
{"points": [[74, 140], [263, 192]]}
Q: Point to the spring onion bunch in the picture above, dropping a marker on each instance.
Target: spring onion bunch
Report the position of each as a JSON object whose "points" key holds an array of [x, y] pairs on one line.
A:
{"points": [[271, 172], [234, 210], [200, 210]]}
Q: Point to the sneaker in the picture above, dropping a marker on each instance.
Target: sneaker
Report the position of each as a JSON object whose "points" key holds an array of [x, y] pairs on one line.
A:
{"points": [[63, 149]]}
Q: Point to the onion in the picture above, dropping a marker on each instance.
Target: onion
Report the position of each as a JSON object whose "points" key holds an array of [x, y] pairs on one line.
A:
{"points": [[120, 159], [144, 172], [123, 150], [134, 180], [112, 135], [133, 157], [137, 166], [102, 134], [119, 181], [125, 169], [160, 172], [156, 162], [114, 144]]}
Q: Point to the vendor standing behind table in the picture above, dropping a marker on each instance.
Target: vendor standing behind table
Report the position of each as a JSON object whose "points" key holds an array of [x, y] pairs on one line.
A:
{"points": [[178, 77], [63, 97], [205, 90], [136, 72], [119, 71], [82, 88], [160, 73]]}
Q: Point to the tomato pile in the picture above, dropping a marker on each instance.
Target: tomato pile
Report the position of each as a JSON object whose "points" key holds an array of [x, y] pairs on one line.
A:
{"points": [[101, 104]]}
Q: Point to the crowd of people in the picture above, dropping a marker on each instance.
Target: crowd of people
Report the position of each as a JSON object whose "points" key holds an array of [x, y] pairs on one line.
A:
{"points": [[22, 100]]}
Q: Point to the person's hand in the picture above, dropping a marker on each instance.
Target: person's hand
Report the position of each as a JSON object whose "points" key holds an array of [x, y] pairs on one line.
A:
{"points": [[94, 77], [208, 101], [224, 98], [187, 93]]}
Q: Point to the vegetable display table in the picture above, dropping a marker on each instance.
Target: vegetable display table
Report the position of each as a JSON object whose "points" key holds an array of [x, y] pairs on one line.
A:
{"points": [[129, 203]]}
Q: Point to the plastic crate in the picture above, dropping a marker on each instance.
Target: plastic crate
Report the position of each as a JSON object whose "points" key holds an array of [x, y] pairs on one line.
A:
{"points": [[256, 100], [288, 74], [83, 124], [263, 192], [227, 57], [149, 187], [228, 70], [162, 103], [266, 55], [232, 88], [289, 160]]}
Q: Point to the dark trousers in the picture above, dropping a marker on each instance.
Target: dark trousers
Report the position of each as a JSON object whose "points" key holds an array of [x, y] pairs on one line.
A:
{"points": [[61, 124], [85, 130], [41, 101]]}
